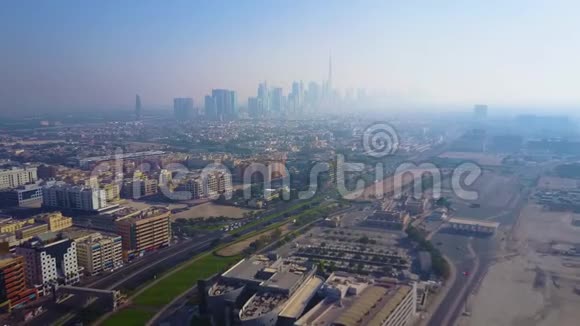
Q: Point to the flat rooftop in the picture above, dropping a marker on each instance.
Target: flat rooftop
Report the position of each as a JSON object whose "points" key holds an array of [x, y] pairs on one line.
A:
{"points": [[247, 269], [466, 221], [300, 299], [262, 303], [370, 307], [284, 278]]}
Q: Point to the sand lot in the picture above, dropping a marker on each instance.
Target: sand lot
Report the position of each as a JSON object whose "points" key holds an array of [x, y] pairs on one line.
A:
{"points": [[211, 209], [542, 226], [516, 293], [529, 284], [496, 194], [199, 211]]}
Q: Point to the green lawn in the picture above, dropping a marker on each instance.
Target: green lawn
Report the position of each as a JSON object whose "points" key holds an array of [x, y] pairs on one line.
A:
{"points": [[273, 216], [185, 277], [129, 317], [182, 280]]}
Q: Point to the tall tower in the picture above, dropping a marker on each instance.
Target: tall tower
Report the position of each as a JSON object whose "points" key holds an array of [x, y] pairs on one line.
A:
{"points": [[138, 107], [329, 82], [327, 85]]}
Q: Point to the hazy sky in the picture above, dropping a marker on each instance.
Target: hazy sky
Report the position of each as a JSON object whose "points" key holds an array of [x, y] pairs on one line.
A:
{"points": [[99, 54]]}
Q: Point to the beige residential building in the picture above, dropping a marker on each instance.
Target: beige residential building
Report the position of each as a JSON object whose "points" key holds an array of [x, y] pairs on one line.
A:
{"points": [[10, 225], [146, 230], [14, 177], [56, 221], [30, 231], [112, 191], [98, 252]]}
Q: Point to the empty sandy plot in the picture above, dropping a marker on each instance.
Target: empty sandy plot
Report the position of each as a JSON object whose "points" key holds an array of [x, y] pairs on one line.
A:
{"points": [[211, 209], [543, 226], [532, 286], [517, 293]]}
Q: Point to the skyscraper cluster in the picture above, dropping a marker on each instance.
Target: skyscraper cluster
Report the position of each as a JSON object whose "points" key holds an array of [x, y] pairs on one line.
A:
{"points": [[272, 101]]}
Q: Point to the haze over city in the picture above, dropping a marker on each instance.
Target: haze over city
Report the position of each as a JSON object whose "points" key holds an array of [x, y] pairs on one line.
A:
{"points": [[72, 56], [289, 163]]}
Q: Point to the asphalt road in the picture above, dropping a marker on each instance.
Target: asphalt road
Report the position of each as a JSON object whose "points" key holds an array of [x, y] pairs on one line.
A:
{"points": [[140, 271], [179, 312], [128, 278]]}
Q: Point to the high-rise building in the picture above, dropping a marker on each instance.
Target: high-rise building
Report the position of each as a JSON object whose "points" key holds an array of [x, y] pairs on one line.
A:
{"points": [[138, 107], [327, 90], [277, 100], [51, 260], [61, 195], [313, 95], [295, 98], [15, 176], [263, 99], [97, 252], [194, 186], [143, 231], [226, 104], [183, 108], [13, 288], [210, 107]]}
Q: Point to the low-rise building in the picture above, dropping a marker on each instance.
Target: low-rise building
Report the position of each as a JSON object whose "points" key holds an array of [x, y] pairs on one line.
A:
{"points": [[394, 220], [55, 220], [416, 206], [472, 226], [270, 288], [25, 195], [10, 225], [30, 231], [138, 188], [352, 300]]}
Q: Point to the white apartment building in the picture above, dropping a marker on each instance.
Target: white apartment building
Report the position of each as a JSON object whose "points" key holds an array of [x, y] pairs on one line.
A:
{"points": [[51, 260], [15, 177], [74, 197]]}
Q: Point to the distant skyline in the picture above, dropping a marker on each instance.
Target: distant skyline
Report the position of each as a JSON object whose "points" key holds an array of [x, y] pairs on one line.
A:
{"points": [[81, 55]]}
